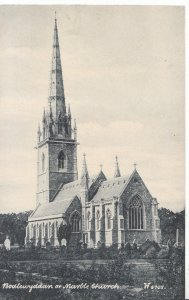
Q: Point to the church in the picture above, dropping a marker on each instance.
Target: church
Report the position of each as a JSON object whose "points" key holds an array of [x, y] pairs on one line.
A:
{"points": [[99, 210]]}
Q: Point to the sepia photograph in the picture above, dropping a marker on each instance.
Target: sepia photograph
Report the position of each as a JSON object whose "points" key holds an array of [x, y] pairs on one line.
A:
{"points": [[92, 152]]}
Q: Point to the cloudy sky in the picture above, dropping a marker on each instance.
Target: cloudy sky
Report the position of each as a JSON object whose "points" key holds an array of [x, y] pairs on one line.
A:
{"points": [[123, 69]]}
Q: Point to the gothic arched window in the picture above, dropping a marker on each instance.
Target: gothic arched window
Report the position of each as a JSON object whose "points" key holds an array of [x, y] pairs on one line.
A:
{"points": [[136, 214], [43, 132], [75, 222], [50, 229], [61, 160], [34, 231], [43, 162], [155, 210], [88, 220], [28, 231], [46, 230], [108, 217], [43, 229], [97, 220], [56, 226], [60, 125], [40, 230]]}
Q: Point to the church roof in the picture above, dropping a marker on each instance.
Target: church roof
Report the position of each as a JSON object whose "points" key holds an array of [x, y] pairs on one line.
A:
{"points": [[52, 208], [112, 187], [69, 190], [61, 201], [72, 189], [108, 189]]}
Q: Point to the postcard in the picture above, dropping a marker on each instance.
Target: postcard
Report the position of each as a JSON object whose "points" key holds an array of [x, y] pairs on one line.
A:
{"points": [[92, 152]]}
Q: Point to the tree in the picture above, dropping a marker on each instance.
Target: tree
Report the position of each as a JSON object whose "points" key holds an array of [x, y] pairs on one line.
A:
{"points": [[64, 232], [14, 225], [169, 222]]}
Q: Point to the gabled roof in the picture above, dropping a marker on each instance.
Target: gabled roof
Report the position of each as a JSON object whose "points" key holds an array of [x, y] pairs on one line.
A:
{"points": [[62, 200], [51, 209], [115, 187], [72, 189], [68, 190], [112, 187]]}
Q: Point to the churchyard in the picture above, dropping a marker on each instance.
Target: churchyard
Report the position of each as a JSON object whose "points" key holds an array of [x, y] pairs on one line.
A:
{"points": [[145, 272]]}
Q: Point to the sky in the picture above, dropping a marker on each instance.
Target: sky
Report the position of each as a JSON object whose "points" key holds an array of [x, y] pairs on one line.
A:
{"points": [[123, 70]]}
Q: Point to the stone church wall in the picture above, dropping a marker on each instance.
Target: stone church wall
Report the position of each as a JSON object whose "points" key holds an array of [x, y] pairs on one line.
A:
{"points": [[57, 177], [95, 185], [136, 186], [42, 175], [74, 206]]}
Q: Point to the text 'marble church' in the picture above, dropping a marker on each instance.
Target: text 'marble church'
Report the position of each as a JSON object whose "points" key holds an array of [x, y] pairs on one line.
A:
{"points": [[99, 210]]}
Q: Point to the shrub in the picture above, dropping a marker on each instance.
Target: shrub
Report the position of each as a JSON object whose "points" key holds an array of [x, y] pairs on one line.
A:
{"points": [[86, 255], [151, 253], [172, 272], [163, 253], [127, 250], [135, 247]]}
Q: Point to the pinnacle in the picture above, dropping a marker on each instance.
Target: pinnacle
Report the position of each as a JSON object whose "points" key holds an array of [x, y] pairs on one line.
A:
{"points": [[117, 170], [84, 173], [56, 95]]}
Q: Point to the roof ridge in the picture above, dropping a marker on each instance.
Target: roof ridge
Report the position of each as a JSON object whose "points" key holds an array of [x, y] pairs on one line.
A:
{"points": [[113, 186], [34, 211], [53, 208], [126, 184], [72, 182], [117, 178], [59, 189]]}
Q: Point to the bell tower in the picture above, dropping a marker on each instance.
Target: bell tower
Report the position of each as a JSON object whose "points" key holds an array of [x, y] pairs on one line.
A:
{"points": [[57, 139]]}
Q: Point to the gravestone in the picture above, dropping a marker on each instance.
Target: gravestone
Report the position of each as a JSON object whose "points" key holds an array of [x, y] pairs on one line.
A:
{"points": [[7, 243]]}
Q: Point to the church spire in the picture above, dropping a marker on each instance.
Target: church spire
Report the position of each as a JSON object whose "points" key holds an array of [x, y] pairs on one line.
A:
{"points": [[117, 170], [57, 141], [44, 116], [69, 111], [84, 182], [75, 130], [84, 173], [56, 93]]}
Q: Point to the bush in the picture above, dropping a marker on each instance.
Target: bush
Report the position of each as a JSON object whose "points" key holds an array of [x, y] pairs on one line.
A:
{"points": [[128, 250], [172, 272], [151, 253], [135, 248], [9, 276], [86, 255], [163, 253]]}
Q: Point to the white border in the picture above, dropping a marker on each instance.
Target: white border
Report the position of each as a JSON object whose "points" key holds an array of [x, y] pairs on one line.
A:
{"points": [[147, 2], [97, 2]]}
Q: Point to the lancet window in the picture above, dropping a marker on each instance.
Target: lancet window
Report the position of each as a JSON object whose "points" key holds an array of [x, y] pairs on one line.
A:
{"points": [[136, 214]]}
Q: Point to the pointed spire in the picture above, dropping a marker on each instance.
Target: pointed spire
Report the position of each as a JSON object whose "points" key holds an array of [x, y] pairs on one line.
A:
{"points": [[69, 111], [75, 130], [39, 128], [84, 182], [117, 170], [50, 114], [84, 173], [39, 133], [44, 116], [75, 125], [135, 165], [56, 95]]}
